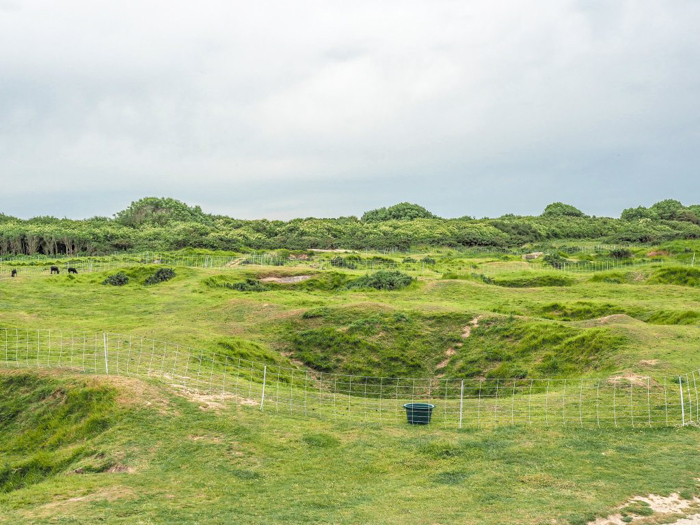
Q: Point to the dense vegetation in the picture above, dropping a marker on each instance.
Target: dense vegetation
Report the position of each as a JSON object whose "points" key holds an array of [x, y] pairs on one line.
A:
{"points": [[167, 224]]}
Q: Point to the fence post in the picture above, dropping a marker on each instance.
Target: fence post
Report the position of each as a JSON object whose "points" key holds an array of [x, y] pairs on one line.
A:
{"points": [[262, 398], [461, 402], [680, 386], [104, 343]]}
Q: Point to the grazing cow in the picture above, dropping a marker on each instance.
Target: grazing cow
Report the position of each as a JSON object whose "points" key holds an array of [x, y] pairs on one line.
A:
{"points": [[54, 269], [73, 270], [14, 273]]}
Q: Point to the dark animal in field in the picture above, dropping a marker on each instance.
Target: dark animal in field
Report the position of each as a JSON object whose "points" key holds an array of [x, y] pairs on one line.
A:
{"points": [[73, 270], [14, 273], [54, 269]]}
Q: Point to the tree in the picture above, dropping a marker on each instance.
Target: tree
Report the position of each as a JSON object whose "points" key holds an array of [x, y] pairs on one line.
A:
{"points": [[154, 211], [404, 211], [559, 209]]}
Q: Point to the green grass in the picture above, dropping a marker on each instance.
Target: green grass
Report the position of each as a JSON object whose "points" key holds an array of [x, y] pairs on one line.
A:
{"points": [[174, 462]]}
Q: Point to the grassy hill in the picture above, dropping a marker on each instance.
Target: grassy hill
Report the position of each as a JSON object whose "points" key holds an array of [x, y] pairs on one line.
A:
{"points": [[78, 448]]}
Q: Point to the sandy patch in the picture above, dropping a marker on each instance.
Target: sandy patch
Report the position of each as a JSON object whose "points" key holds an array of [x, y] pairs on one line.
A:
{"points": [[287, 280], [662, 506], [614, 318], [631, 378], [649, 362], [474, 323], [449, 353], [68, 505]]}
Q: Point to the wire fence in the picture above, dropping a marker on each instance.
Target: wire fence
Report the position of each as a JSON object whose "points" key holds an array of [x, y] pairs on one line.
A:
{"points": [[618, 401]]}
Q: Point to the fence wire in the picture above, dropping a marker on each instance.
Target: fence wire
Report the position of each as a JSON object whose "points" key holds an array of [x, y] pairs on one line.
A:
{"points": [[618, 401]]}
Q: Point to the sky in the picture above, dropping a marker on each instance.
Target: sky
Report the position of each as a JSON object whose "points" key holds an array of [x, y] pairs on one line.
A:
{"points": [[330, 108]]}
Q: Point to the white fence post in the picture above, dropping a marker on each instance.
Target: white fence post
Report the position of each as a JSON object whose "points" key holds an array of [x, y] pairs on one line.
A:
{"points": [[104, 343], [461, 402], [680, 386], [262, 398]]}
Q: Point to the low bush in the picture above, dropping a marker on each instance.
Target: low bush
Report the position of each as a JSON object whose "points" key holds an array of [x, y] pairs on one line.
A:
{"points": [[536, 281], [382, 280], [161, 275], [118, 279], [249, 285]]}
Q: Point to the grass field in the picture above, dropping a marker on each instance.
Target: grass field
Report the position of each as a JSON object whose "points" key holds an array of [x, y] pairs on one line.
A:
{"points": [[78, 449]]}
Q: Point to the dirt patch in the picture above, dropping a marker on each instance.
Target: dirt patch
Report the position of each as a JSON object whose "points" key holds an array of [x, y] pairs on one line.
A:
{"points": [[612, 319], [657, 253], [214, 402], [206, 439], [663, 508], [649, 362], [119, 468], [533, 255], [68, 505], [287, 280], [474, 323], [633, 379], [449, 353]]}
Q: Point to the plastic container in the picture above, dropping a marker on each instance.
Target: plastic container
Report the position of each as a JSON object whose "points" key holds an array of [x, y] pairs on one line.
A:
{"points": [[419, 413]]}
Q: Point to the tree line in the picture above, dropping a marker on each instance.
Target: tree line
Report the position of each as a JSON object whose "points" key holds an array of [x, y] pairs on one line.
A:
{"points": [[168, 224]]}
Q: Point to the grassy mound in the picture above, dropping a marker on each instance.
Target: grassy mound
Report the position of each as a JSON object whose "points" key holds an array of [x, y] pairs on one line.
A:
{"points": [[367, 340], [511, 347], [678, 276], [47, 426]]}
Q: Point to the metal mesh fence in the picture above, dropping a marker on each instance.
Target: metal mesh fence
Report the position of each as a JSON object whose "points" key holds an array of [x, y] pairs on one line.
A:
{"points": [[618, 401]]}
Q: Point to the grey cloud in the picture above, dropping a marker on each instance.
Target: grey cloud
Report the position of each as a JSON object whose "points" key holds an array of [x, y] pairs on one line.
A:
{"points": [[330, 108]]}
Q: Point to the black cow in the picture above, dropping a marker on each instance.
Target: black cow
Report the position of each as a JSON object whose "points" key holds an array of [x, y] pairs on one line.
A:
{"points": [[73, 270], [14, 273], [54, 269]]}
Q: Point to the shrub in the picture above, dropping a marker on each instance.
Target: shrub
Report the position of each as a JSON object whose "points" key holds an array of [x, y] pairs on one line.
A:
{"points": [[428, 260], [382, 280], [161, 275], [339, 262], [620, 253], [118, 279], [249, 285]]}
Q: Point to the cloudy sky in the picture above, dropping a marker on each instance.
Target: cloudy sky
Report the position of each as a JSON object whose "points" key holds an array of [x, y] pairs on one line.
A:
{"points": [[325, 108]]}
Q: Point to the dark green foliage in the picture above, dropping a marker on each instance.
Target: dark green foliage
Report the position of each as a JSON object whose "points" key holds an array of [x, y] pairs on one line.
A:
{"points": [[404, 211], [621, 253], [559, 209], [161, 275], [249, 285], [118, 279], [382, 280], [554, 259], [428, 260], [153, 211], [166, 224], [533, 281], [340, 262]]}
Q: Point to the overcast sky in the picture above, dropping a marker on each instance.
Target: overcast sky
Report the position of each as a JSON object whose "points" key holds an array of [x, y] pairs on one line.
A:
{"points": [[324, 108]]}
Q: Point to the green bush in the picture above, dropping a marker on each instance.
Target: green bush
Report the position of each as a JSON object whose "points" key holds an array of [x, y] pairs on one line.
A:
{"points": [[382, 280], [620, 253], [161, 275], [118, 279], [249, 285]]}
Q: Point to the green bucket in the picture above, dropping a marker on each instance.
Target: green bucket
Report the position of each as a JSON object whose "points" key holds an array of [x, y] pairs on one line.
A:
{"points": [[419, 413]]}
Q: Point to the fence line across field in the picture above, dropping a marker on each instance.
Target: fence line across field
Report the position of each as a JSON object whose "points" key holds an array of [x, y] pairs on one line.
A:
{"points": [[617, 401]]}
